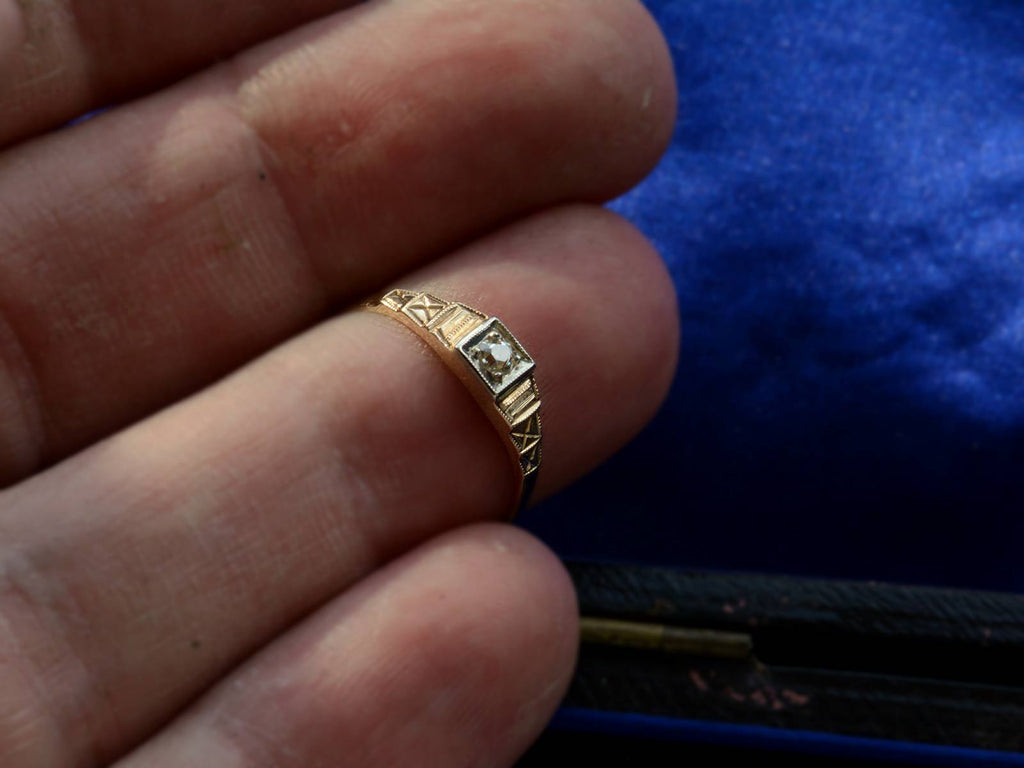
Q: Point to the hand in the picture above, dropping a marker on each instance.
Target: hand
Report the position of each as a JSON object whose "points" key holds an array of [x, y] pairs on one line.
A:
{"points": [[242, 527]]}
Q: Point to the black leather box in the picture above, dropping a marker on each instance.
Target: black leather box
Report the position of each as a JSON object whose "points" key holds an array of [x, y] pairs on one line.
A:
{"points": [[854, 669]]}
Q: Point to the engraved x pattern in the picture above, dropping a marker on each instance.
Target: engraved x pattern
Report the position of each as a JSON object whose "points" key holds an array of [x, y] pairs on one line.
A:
{"points": [[424, 308], [526, 433]]}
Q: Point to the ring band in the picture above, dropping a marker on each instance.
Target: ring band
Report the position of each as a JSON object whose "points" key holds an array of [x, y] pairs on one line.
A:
{"points": [[492, 363]]}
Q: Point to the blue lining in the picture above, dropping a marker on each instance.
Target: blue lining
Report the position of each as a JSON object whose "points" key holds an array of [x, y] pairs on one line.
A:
{"points": [[759, 737]]}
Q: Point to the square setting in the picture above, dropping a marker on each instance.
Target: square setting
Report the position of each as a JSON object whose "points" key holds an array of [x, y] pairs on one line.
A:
{"points": [[496, 356]]}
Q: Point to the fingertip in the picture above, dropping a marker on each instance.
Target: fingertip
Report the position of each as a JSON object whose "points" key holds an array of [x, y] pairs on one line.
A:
{"points": [[541, 629], [517, 599], [646, 99], [656, 309], [541, 599], [520, 607], [616, 88], [628, 300]]}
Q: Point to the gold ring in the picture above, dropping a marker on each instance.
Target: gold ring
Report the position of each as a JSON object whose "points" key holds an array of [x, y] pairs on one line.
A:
{"points": [[490, 361]]}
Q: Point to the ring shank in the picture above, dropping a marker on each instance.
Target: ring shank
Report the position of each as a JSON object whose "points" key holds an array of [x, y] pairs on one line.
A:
{"points": [[504, 387]]}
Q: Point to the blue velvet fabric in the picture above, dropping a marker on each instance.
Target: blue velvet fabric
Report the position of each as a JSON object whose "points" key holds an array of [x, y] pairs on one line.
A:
{"points": [[841, 210]]}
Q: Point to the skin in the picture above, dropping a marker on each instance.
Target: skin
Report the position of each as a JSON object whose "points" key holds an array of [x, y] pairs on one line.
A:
{"points": [[241, 525]]}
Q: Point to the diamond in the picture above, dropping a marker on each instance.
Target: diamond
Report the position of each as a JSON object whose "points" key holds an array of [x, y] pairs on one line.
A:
{"points": [[495, 356]]}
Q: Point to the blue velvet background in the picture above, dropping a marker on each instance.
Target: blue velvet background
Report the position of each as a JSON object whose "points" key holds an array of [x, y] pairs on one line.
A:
{"points": [[841, 212]]}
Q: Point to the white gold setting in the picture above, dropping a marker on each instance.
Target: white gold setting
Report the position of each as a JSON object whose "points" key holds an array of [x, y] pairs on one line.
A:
{"points": [[497, 357]]}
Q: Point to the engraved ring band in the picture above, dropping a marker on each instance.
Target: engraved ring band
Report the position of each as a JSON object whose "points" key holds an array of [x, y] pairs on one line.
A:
{"points": [[492, 364]]}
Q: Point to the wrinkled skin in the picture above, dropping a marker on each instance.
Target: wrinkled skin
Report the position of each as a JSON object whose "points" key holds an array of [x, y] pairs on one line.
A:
{"points": [[241, 526]]}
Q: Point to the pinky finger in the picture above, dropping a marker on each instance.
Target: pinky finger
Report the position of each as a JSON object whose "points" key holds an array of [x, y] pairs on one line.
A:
{"points": [[454, 655]]}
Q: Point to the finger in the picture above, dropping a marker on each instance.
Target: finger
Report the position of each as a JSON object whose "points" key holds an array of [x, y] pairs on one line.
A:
{"points": [[148, 252], [194, 537], [65, 58], [456, 654]]}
